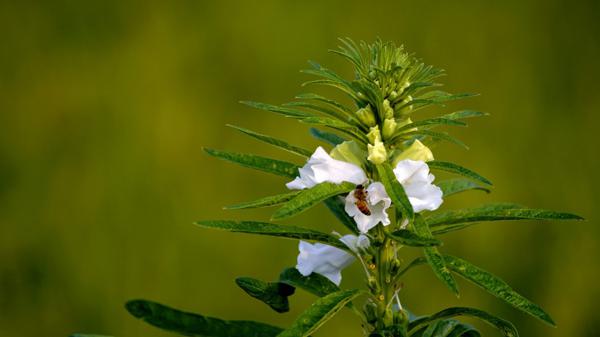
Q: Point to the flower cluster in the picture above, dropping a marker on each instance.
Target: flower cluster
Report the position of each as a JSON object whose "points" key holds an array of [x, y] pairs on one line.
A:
{"points": [[368, 205]]}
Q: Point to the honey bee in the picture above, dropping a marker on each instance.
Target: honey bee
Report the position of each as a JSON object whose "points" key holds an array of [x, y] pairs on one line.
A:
{"points": [[361, 200]]}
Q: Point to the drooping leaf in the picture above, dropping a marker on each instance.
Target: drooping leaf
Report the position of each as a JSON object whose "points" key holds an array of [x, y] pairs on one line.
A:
{"points": [[274, 141], [318, 313], [314, 283], [271, 229], [495, 286], [336, 206], [327, 137], [274, 294], [433, 256], [395, 190], [266, 201], [454, 168], [454, 186], [194, 325], [411, 239], [278, 167], [483, 214], [285, 111], [506, 328], [310, 197], [446, 328]]}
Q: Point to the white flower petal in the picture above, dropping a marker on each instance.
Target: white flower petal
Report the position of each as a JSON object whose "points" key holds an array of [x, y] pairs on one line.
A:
{"points": [[322, 168], [378, 202], [417, 182], [355, 243], [323, 259]]}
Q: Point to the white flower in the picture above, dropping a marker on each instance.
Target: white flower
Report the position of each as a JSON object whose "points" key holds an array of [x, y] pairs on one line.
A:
{"points": [[322, 168], [328, 260], [417, 182], [377, 201]]}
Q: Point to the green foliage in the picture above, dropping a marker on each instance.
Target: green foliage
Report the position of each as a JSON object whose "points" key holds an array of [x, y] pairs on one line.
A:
{"points": [[505, 327], [272, 200], [454, 168], [310, 197], [274, 141], [269, 165], [314, 283], [409, 238], [271, 229], [434, 258], [484, 214], [327, 137], [454, 186], [319, 313], [447, 328], [395, 190], [336, 206], [194, 325], [496, 287], [274, 294]]}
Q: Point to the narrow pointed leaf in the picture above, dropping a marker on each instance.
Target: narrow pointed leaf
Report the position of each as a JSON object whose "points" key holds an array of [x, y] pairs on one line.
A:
{"points": [[506, 328], [315, 97], [414, 263], [411, 239], [271, 229], [497, 287], [274, 294], [310, 197], [465, 114], [434, 258], [274, 141], [327, 137], [288, 112], [314, 283], [395, 190], [337, 125], [477, 215], [443, 229], [435, 135], [194, 325], [430, 123], [278, 167], [266, 201], [319, 313], [454, 186], [454, 168], [446, 328]]}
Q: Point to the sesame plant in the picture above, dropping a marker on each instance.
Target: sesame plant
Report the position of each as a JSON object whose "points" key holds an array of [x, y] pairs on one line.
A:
{"points": [[374, 173]]}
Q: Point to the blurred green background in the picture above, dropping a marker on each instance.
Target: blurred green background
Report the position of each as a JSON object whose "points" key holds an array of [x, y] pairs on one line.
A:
{"points": [[105, 106]]}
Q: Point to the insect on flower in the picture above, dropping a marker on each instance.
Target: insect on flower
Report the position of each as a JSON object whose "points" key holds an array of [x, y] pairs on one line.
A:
{"points": [[361, 200]]}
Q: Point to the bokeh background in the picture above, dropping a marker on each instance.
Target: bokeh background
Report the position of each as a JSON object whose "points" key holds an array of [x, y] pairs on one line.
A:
{"points": [[106, 105]]}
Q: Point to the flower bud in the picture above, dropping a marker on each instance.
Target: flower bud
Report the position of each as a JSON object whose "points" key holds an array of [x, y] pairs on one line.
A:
{"points": [[349, 152], [393, 95], [366, 115], [389, 127], [374, 135], [416, 151], [370, 311], [388, 111], [377, 153], [373, 285]]}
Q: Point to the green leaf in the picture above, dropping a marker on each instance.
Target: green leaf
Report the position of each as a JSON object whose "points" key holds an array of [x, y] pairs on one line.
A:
{"points": [[342, 116], [446, 228], [454, 168], [337, 125], [189, 324], [429, 123], [414, 263], [319, 313], [336, 206], [486, 214], [447, 328], [395, 190], [315, 97], [411, 239], [443, 229], [266, 201], [274, 141], [271, 229], [310, 197], [314, 283], [87, 335], [327, 137], [464, 114], [435, 135], [434, 258], [278, 167], [288, 112], [454, 186], [506, 328], [274, 294], [497, 287]]}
